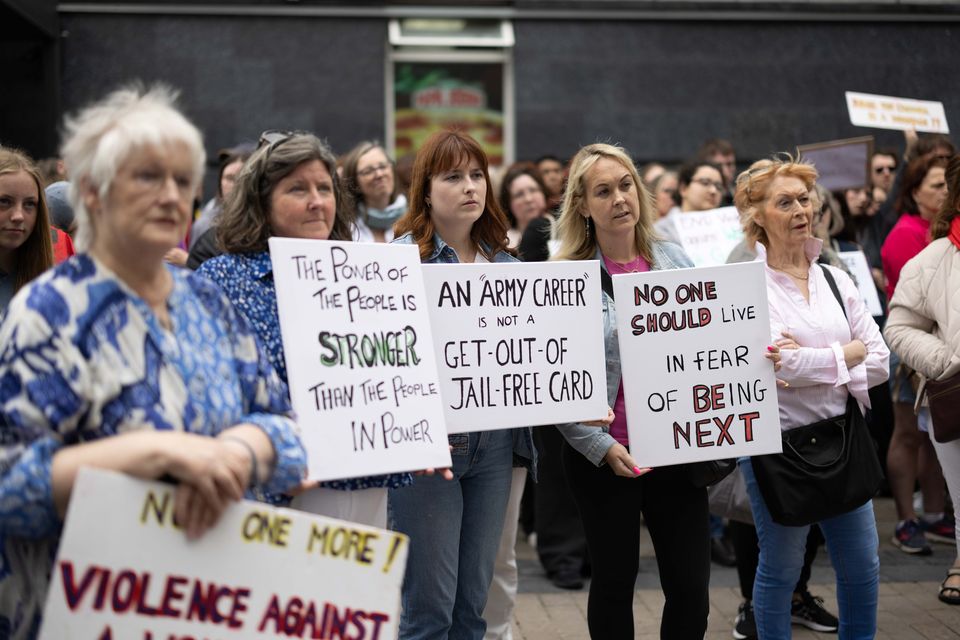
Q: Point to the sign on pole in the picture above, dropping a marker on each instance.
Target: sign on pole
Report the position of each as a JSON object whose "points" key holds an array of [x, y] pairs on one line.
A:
{"points": [[360, 362], [125, 571], [708, 237], [887, 112], [518, 344], [857, 264], [695, 380]]}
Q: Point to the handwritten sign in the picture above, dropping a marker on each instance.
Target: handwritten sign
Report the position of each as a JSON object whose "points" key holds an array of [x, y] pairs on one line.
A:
{"points": [[886, 112], [363, 377], [126, 571], [695, 381], [857, 264], [708, 237], [518, 344]]}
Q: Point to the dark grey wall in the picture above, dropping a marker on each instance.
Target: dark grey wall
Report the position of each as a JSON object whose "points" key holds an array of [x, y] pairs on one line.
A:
{"points": [[238, 76], [658, 87], [661, 88]]}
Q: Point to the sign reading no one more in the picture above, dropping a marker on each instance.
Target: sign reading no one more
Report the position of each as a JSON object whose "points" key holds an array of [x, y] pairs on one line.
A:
{"points": [[362, 374], [518, 344], [696, 383]]}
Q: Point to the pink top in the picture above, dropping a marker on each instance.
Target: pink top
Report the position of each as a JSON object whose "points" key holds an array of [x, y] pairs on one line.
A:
{"points": [[908, 237], [818, 376], [618, 429]]}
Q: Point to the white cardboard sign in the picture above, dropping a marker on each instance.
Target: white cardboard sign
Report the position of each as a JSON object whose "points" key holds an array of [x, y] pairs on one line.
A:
{"points": [[696, 383], [518, 344], [857, 263], [124, 571], [902, 114], [360, 362], [708, 237]]}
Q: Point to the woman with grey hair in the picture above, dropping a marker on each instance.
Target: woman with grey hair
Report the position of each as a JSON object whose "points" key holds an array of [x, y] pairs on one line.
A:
{"points": [[289, 189], [370, 181], [117, 361]]}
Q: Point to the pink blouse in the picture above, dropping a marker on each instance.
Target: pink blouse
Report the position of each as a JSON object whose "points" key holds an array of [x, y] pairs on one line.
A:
{"points": [[818, 376], [618, 428]]}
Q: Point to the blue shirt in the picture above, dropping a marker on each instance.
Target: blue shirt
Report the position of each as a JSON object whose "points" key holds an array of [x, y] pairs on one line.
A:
{"points": [[83, 358], [247, 279]]}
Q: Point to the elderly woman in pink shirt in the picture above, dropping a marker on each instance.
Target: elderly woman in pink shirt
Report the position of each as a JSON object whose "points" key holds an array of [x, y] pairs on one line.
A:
{"points": [[824, 354]]}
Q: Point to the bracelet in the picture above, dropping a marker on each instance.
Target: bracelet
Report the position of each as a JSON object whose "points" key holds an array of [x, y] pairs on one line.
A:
{"points": [[254, 466]]}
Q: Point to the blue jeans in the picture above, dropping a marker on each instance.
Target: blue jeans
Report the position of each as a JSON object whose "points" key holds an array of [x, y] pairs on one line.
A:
{"points": [[852, 543], [454, 528]]}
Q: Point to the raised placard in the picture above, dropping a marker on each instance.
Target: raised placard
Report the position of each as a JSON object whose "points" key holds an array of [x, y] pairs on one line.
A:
{"points": [[518, 344], [356, 337], [695, 380], [125, 571], [903, 114], [708, 237], [857, 264]]}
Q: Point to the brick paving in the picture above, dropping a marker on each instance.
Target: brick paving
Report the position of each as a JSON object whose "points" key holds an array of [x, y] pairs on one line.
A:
{"points": [[908, 607]]}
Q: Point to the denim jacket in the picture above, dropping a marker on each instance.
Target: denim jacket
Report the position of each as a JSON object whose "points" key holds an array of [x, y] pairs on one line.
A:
{"points": [[594, 442], [524, 452]]}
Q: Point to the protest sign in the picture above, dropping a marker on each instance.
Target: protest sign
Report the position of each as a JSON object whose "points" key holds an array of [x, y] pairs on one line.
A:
{"points": [[362, 374], [518, 344], [857, 264], [708, 237], [126, 571], [903, 114], [841, 164], [695, 380]]}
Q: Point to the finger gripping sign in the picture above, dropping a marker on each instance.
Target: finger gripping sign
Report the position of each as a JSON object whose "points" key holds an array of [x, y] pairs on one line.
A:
{"points": [[518, 344], [125, 570], [362, 374], [696, 383]]}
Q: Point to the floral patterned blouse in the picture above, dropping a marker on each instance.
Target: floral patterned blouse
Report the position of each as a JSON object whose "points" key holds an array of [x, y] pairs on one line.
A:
{"points": [[82, 357], [247, 279]]}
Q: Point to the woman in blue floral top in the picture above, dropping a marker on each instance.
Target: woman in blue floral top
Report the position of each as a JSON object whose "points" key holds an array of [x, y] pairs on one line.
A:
{"points": [[289, 188], [117, 361]]}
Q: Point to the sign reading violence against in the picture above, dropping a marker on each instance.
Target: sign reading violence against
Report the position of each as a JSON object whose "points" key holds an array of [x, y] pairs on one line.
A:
{"points": [[360, 362], [696, 383], [518, 344], [708, 237], [126, 571], [903, 114]]}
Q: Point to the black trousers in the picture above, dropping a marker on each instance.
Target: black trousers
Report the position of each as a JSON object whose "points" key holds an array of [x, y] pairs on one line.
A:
{"points": [[675, 513], [561, 542]]}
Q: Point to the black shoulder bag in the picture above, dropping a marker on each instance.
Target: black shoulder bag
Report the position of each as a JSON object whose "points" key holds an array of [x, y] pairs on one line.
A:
{"points": [[826, 469], [701, 474]]}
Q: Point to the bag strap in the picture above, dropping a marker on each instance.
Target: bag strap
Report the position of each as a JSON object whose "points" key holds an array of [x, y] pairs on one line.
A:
{"points": [[833, 287], [606, 283]]}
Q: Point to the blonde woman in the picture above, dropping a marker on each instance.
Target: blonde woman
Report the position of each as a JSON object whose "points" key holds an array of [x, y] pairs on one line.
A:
{"points": [[607, 215]]}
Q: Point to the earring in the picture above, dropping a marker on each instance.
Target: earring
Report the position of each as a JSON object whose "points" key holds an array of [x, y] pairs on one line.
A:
{"points": [[587, 225]]}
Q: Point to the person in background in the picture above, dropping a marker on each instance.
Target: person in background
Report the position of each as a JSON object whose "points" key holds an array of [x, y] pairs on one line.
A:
{"points": [[883, 168], [523, 198], [699, 188], [203, 234], [606, 216], [664, 190], [62, 220], [823, 357], [25, 241], [924, 329], [551, 170], [455, 526], [145, 369], [289, 189], [371, 186], [721, 153], [911, 456], [51, 170], [649, 174]]}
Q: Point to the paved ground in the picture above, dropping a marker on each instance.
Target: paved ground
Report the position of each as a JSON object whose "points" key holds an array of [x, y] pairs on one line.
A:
{"points": [[908, 609]]}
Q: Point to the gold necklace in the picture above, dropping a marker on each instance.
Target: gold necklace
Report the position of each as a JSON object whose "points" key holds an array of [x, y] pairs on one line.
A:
{"points": [[793, 275]]}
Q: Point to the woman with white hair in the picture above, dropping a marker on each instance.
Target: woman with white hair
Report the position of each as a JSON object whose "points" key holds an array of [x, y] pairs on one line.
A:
{"points": [[115, 360]]}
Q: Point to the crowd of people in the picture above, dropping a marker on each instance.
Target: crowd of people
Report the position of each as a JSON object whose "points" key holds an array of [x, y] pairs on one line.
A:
{"points": [[141, 334]]}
